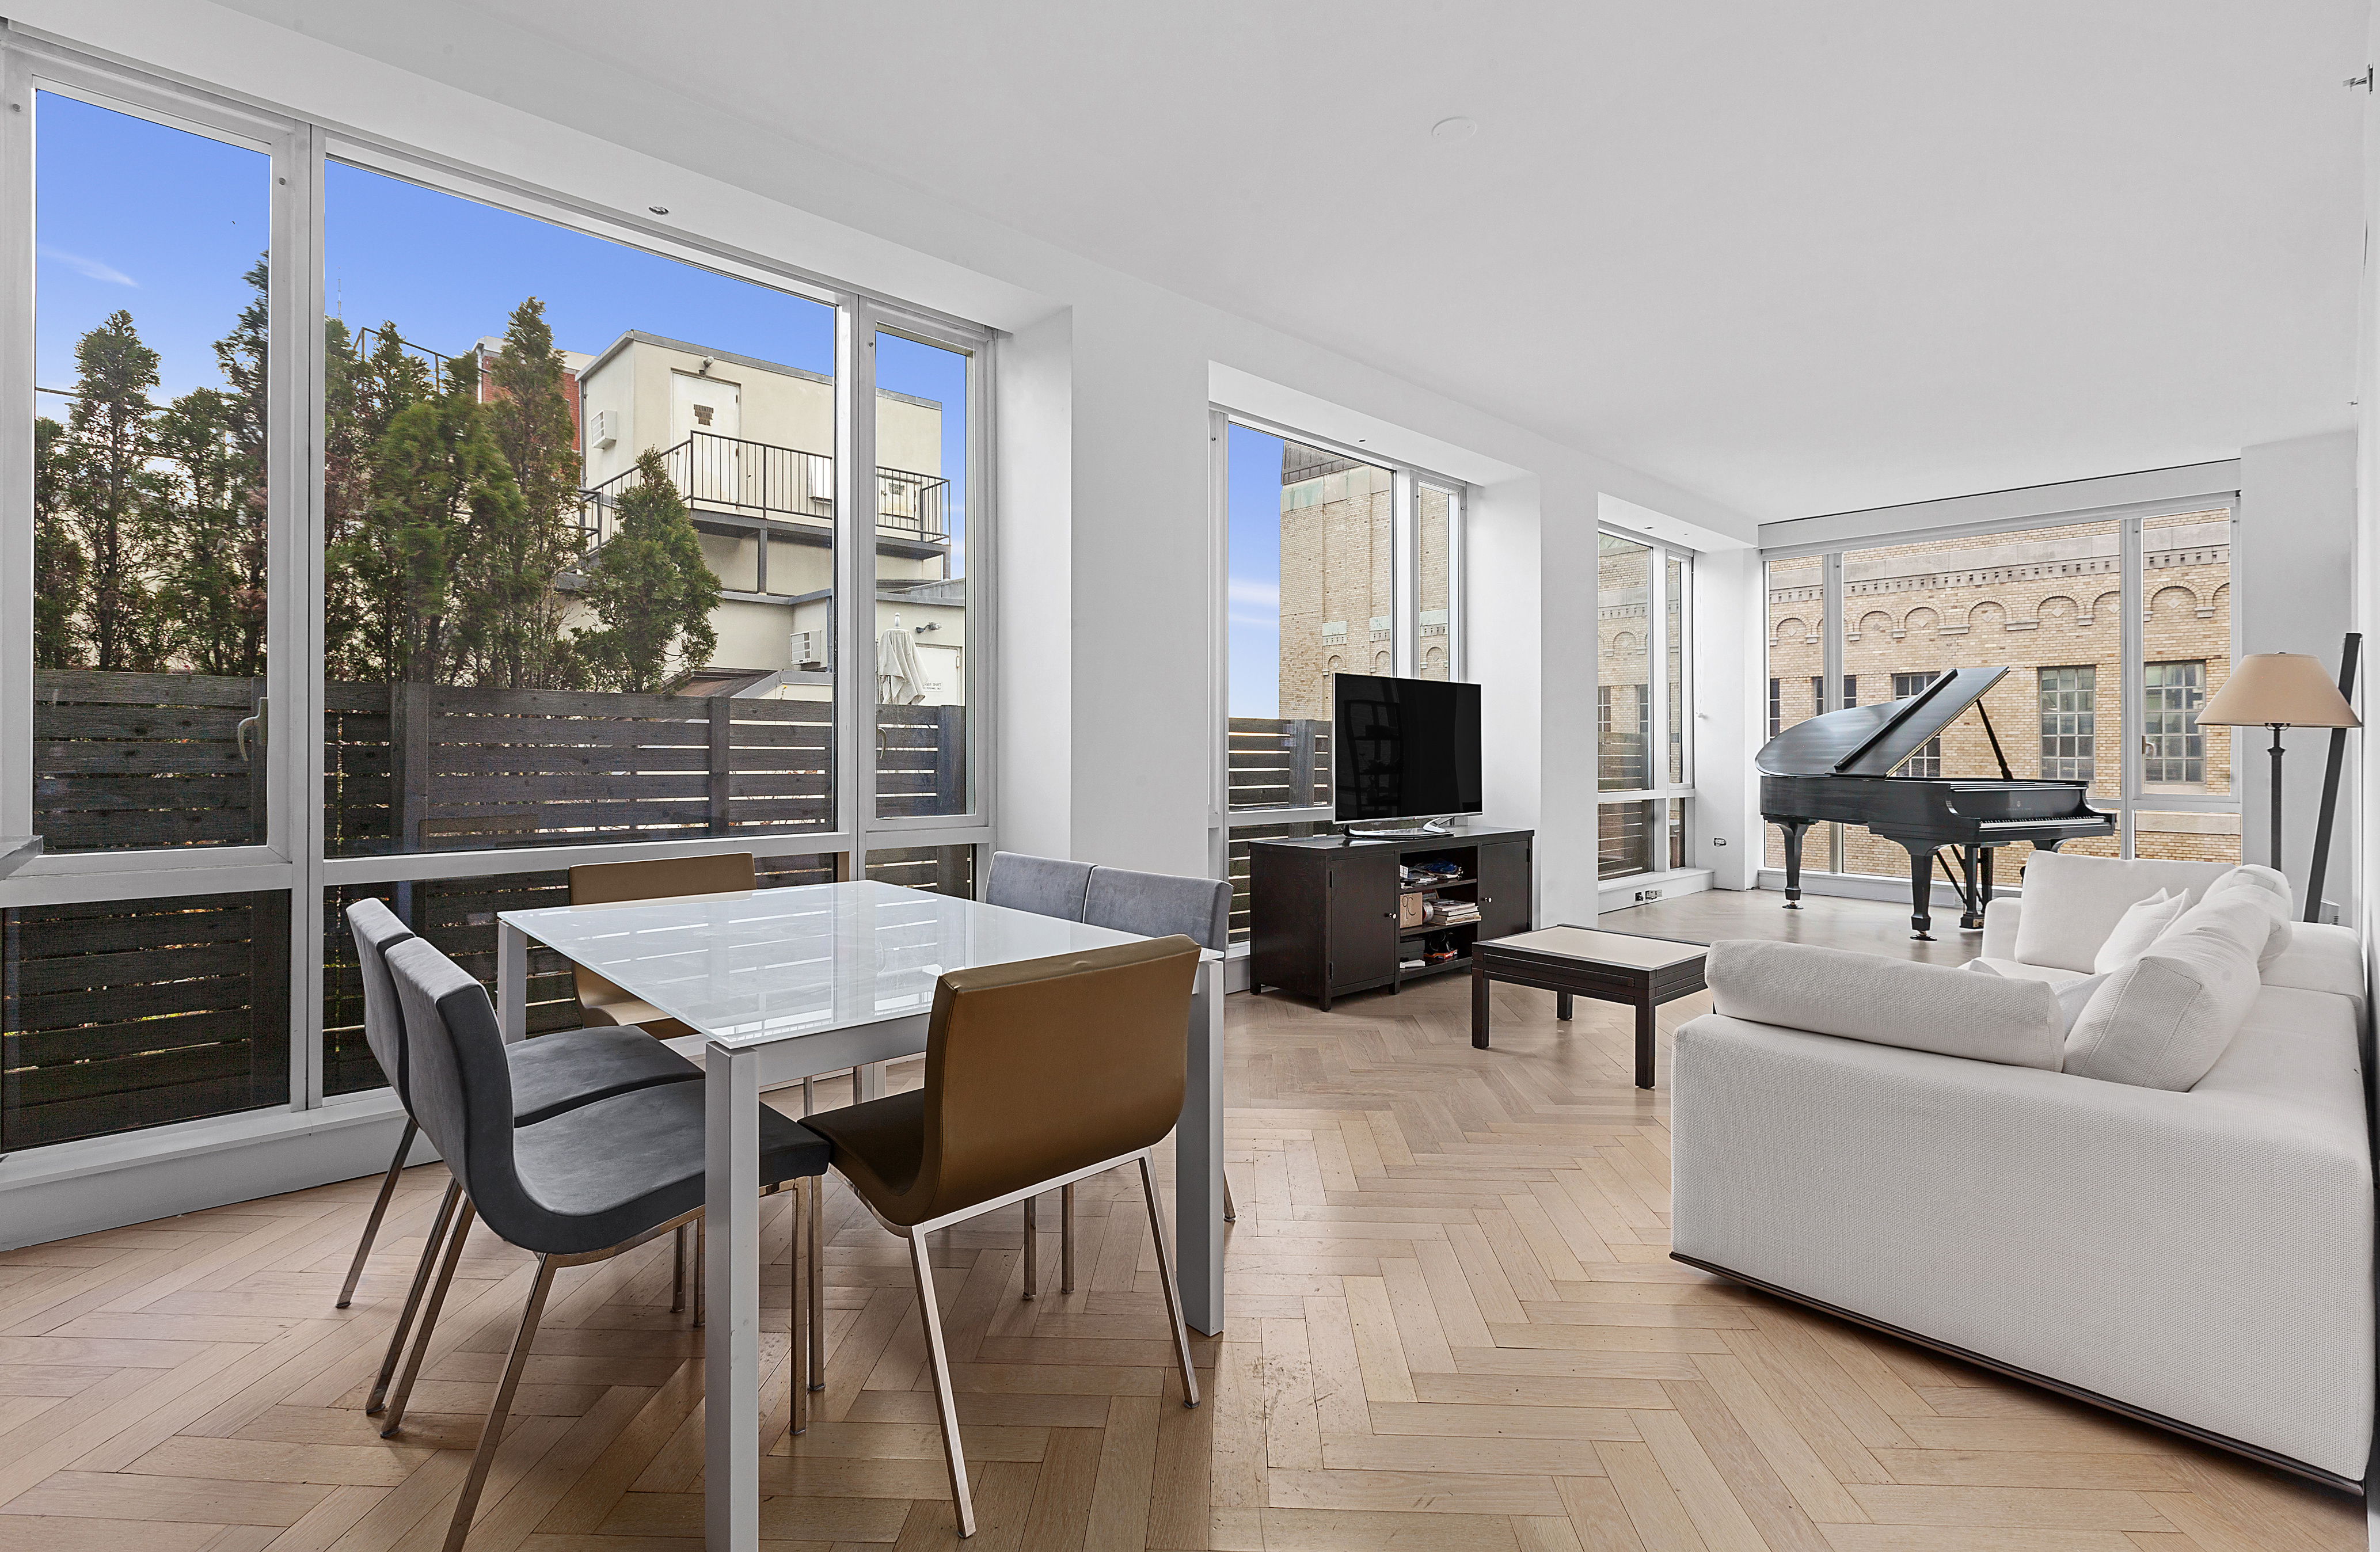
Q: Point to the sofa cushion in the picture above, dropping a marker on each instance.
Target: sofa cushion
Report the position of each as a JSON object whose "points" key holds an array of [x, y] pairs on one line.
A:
{"points": [[2073, 992], [2143, 923], [2268, 889], [2162, 1020], [2073, 902], [2016, 969], [2321, 958], [1887, 1001]]}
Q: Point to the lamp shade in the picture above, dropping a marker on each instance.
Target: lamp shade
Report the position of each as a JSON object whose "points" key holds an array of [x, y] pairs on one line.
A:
{"points": [[2284, 690]]}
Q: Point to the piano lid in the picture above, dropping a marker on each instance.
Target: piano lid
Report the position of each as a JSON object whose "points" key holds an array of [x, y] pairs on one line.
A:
{"points": [[1874, 740]]}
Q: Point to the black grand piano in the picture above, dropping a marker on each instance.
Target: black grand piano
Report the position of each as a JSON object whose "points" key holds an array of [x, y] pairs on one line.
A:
{"points": [[1838, 767]]}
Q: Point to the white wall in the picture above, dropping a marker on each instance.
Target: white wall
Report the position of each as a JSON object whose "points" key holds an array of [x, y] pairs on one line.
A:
{"points": [[1729, 606], [2293, 564]]}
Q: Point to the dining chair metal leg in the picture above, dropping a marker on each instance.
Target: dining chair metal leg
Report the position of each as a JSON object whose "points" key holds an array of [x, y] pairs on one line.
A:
{"points": [[938, 1360], [701, 1249], [797, 1349], [1165, 1272], [380, 1210], [1230, 1208], [1066, 1240], [677, 1270], [1032, 1248], [429, 1321], [438, 1227], [817, 1283], [491, 1433]]}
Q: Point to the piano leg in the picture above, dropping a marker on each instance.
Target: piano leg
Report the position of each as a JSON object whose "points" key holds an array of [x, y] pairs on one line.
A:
{"points": [[1921, 892], [1972, 919], [1794, 829], [1986, 904]]}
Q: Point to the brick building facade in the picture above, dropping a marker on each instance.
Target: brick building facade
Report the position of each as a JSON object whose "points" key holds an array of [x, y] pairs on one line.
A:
{"points": [[2045, 603]]}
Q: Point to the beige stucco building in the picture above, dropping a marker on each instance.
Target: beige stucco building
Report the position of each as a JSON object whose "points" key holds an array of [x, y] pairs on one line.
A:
{"points": [[750, 445]]}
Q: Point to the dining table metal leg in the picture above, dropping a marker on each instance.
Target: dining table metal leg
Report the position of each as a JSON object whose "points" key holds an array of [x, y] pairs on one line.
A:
{"points": [[512, 981], [731, 1281], [1198, 1159]]}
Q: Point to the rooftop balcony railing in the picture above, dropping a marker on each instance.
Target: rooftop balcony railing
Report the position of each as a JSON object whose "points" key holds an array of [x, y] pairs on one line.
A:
{"points": [[727, 475]]}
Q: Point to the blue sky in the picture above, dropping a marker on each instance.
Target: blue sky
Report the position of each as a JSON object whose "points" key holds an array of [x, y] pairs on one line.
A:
{"points": [[1253, 604], [162, 223]]}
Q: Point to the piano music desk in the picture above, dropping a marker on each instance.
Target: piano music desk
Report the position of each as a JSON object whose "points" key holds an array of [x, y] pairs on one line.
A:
{"points": [[1626, 967]]}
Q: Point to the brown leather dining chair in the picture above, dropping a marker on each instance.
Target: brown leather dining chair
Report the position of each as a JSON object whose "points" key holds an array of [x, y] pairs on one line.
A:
{"points": [[1038, 1074], [609, 884]]}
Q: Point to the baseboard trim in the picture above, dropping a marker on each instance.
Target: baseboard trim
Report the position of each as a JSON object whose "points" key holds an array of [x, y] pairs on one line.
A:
{"points": [[2071, 1392]]}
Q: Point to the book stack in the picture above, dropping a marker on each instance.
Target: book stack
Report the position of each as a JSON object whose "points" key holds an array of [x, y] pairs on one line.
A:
{"points": [[1455, 913]]}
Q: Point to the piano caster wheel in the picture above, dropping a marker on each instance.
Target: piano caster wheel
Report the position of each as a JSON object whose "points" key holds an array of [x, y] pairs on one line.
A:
{"points": [[1793, 904], [1921, 936]]}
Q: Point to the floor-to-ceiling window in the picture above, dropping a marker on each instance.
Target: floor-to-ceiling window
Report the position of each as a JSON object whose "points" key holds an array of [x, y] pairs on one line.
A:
{"points": [[1643, 746], [2103, 622], [1333, 562], [393, 534]]}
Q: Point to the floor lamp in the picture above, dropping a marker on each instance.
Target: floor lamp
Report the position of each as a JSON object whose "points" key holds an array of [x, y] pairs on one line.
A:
{"points": [[2278, 690]]}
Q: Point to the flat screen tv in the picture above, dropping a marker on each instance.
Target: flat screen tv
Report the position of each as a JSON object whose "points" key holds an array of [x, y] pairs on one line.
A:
{"points": [[1403, 749]]}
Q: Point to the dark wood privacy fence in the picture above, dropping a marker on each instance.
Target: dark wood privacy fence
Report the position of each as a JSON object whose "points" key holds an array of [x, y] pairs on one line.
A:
{"points": [[144, 759], [125, 1014], [139, 760], [1278, 762]]}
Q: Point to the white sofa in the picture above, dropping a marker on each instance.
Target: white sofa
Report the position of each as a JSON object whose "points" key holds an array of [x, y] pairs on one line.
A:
{"points": [[2199, 1259]]}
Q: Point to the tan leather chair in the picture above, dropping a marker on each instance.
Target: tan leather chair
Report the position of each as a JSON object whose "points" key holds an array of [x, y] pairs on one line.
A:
{"points": [[1038, 1074], [606, 883]]}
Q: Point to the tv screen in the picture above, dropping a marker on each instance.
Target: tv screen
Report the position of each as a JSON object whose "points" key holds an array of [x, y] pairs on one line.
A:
{"points": [[1403, 749]]}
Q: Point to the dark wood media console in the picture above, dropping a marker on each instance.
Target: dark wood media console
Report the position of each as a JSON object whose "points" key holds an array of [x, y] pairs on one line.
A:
{"points": [[1323, 914]]}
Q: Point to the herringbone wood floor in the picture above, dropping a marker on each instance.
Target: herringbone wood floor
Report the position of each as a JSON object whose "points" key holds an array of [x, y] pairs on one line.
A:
{"points": [[1453, 1327]]}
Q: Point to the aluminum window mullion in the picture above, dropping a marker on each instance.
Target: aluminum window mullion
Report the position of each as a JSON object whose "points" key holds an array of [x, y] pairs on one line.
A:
{"points": [[1404, 573], [1830, 669], [855, 573], [15, 450], [2131, 703], [1458, 615], [293, 670]]}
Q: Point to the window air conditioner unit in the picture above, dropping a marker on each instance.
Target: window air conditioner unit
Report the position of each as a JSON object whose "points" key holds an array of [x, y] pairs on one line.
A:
{"points": [[813, 649], [604, 430]]}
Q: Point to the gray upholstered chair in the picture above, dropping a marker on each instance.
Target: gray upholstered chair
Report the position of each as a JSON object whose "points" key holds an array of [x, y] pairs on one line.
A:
{"points": [[550, 1074], [1151, 905], [583, 1186], [1045, 886]]}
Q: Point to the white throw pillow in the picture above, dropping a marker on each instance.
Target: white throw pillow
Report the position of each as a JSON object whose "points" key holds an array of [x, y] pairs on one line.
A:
{"points": [[2269, 889], [1887, 1001], [2072, 996], [2138, 927], [2164, 1020]]}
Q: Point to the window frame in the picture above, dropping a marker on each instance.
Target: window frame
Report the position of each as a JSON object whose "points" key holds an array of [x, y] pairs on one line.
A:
{"points": [[293, 859], [2129, 517], [1224, 822], [1664, 794]]}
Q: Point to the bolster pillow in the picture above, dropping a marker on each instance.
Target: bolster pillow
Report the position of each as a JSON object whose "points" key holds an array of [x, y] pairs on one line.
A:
{"points": [[1888, 1003]]}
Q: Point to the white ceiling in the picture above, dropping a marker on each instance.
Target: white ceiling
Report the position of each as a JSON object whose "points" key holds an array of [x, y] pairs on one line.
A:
{"points": [[1798, 258]]}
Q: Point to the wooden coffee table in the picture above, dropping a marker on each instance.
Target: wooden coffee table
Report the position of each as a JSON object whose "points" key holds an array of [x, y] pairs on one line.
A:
{"points": [[1587, 962]]}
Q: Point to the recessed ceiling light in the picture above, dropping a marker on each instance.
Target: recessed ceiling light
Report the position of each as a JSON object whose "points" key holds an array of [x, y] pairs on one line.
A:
{"points": [[1449, 130], [658, 209]]}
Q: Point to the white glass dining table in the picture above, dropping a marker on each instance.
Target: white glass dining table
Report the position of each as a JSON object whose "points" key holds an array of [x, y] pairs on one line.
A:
{"points": [[784, 983]]}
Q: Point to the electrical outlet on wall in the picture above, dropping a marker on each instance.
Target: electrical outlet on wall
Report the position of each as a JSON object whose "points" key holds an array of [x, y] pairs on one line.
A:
{"points": [[1644, 896]]}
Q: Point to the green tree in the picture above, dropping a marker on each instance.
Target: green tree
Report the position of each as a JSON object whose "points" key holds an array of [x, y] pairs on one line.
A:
{"points": [[210, 583], [438, 482], [652, 589], [58, 561], [508, 623], [362, 394], [115, 497]]}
